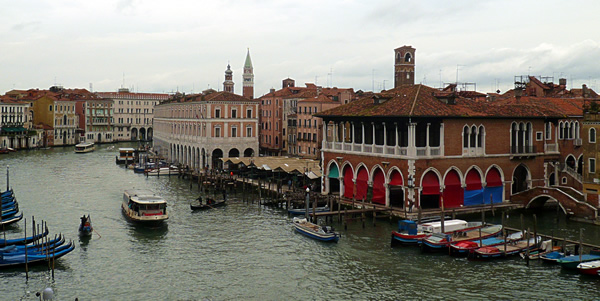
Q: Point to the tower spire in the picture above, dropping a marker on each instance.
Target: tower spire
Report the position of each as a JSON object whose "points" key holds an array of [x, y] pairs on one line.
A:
{"points": [[248, 76]]}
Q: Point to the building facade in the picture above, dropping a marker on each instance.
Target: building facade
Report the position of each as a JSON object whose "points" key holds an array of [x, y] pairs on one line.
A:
{"points": [[248, 78], [198, 130], [133, 114], [15, 125]]}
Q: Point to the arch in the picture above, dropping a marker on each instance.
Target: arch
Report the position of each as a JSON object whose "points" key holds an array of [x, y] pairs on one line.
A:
{"points": [[99, 137], [348, 181], [378, 187], [333, 169], [396, 188], [570, 161], [216, 155], [592, 135], [580, 165], [362, 179], [142, 134], [234, 152], [552, 179], [540, 200], [373, 170], [407, 57], [134, 134], [395, 177], [453, 195], [521, 178], [430, 189], [494, 188], [248, 152], [473, 188]]}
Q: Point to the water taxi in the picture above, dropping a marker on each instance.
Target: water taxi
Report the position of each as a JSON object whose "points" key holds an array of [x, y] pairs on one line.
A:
{"points": [[126, 155], [85, 147], [143, 206]]}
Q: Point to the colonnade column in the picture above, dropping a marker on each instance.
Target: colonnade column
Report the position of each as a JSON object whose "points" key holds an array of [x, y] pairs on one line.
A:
{"points": [[362, 145], [411, 151]]}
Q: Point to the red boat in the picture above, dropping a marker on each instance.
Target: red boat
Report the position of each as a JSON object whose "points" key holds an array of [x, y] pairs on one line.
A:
{"points": [[589, 268]]}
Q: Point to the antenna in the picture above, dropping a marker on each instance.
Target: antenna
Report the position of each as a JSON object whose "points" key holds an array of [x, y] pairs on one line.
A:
{"points": [[457, 68], [373, 81]]}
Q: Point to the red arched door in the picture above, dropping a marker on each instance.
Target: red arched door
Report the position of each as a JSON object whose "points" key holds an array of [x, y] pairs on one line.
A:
{"points": [[378, 188], [430, 193], [348, 183], [361, 184], [453, 192]]}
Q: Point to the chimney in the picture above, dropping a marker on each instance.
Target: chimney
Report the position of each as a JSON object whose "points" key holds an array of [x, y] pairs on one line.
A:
{"points": [[518, 94], [584, 91], [562, 81], [272, 90]]}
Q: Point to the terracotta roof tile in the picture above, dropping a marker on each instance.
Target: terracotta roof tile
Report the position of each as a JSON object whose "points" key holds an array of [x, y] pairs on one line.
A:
{"points": [[421, 101]]}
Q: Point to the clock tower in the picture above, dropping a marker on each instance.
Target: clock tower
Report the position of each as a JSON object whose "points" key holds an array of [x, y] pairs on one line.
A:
{"points": [[248, 76]]}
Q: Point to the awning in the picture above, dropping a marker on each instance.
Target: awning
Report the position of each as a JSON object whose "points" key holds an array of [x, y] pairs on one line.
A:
{"points": [[14, 129], [334, 172]]}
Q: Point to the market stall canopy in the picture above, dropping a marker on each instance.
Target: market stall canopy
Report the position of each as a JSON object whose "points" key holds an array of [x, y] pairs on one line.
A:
{"points": [[279, 164]]}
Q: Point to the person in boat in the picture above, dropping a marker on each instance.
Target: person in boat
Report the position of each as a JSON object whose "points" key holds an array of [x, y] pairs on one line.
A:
{"points": [[83, 220], [199, 199]]}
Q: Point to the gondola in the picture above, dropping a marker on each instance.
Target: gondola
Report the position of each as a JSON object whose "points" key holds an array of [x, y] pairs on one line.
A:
{"points": [[85, 227], [10, 220], [36, 248], [11, 261], [23, 241], [208, 204]]}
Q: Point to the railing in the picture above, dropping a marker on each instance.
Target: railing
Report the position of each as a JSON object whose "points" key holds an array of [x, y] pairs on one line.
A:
{"points": [[389, 150], [551, 148], [368, 148], [421, 151], [378, 149], [348, 147], [522, 149], [357, 147], [577, 142], [435, 151]]}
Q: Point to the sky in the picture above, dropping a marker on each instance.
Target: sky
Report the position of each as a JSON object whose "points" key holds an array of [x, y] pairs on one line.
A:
{"points": [[168, 46]]}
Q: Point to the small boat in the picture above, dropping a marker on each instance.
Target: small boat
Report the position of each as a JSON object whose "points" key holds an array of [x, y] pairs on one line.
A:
{"points": [[302, 211], [589, 268], [545, 248], [552, 257], [34, 248], [325, 233], [144, 207], [506, 249], [85, 147], [11, 220], [411, 233], [571, 262], [208, 204], [85, 227], [126, 155], [441, 241], [463, 248], [166, 171]]}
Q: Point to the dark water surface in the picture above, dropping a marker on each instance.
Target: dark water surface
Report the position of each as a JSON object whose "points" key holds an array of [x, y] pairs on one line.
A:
{"points": [[242, 251]]}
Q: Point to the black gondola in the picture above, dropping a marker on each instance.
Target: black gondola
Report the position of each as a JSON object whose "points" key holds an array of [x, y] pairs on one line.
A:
{"points": [[208, 204]]}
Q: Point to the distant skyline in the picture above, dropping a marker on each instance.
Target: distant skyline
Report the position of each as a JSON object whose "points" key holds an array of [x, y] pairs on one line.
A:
{"points": [[185, 46]]}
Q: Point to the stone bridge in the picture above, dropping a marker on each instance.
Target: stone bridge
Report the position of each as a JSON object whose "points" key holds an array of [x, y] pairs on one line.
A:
{"points": [[570, 201]]}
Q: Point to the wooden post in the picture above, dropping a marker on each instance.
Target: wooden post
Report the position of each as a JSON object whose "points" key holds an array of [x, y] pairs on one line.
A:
{"points": [[580, 243], [535, 231], [374, 217], [362, 213], [492, 205], [443, 215], [345, 219], [522, 225], [453, 214], [483, 216], [505, 233], [527, 251], [26, 258]]}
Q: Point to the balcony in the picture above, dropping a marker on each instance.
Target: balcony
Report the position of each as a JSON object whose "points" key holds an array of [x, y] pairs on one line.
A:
{"points": [[382, 150], [522, 151], [577, 142]]}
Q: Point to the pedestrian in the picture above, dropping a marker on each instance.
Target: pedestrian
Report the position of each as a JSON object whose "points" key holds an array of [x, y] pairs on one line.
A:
{"points": [[289, 184]]}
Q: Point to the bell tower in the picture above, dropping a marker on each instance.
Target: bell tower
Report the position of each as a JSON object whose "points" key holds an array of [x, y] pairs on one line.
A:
{"points": [[228, 83], [248, 76], [404, 66]]}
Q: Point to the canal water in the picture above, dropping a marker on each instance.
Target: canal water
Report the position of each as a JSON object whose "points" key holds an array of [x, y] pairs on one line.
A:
{"points": [[243, 251]]}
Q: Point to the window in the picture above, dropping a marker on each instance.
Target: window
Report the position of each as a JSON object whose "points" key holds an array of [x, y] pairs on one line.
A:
{"points": [[218, 113], [217, 132], [466, 137], [592, 135], [233, 132], [234, 113], [592, 165], [539, 136], [249, 113], [548, 131], [249, 132]]}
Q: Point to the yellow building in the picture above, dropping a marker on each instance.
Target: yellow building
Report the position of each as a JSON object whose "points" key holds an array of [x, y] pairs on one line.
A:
{"points": [[59, 114]]}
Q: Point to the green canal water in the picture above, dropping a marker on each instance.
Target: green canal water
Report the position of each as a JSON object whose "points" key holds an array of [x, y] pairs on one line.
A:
{"points": [[243, 251]]}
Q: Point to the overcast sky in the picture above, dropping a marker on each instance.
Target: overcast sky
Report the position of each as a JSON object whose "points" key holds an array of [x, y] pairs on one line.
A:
{"points": [[167, 46]]}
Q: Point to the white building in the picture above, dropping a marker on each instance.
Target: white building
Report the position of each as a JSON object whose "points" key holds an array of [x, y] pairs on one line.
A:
{"points": [[196, 130], [133, 113]]}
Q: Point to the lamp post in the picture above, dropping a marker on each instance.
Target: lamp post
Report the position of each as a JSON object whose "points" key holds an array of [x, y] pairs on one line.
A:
{"points": [[307, 202], [411, 185]]}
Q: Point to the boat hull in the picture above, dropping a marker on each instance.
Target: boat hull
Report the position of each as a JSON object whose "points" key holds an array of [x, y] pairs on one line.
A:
{"points": [[206, 206], [313, 231]]}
